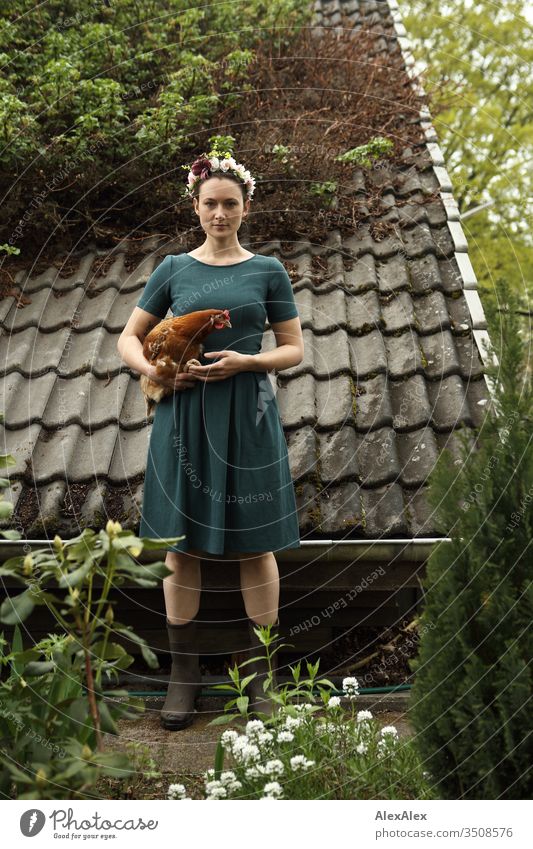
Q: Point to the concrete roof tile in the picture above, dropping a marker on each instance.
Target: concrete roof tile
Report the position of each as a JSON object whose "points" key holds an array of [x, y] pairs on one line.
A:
{"points": [[338, 455], [341, 509], [384, 511], [377, 457], [302, 450], [418, 453], [372, 402], [368, 354], [333, 401]]}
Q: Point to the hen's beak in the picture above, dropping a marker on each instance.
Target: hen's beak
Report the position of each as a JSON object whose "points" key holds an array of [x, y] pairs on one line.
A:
{"points": [[222, 322]]}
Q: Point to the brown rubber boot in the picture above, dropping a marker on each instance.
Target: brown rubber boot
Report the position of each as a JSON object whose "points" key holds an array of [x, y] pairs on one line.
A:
{"points": [[185, 677], [259, 701]]}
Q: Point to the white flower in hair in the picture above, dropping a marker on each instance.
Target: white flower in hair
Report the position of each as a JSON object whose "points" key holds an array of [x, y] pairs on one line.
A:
{"points": [[205, 166]]}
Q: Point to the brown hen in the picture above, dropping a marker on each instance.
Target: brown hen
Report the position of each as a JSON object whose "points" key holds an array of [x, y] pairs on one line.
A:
{"points": [[173, 345]]}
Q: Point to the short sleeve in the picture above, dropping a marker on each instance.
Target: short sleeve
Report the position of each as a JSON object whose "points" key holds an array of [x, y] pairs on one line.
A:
{"points": [[280, 305], [155, 298]]}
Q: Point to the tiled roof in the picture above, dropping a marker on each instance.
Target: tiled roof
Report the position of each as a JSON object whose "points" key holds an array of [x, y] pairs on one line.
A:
{"points": [[392, 369]]}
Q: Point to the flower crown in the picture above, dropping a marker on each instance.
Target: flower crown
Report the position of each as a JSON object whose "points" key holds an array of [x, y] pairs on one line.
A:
{"points": [[208, 164]]}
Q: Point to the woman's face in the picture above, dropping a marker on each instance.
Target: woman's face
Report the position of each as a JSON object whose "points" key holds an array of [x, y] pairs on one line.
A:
{"points": [[220, 206]]}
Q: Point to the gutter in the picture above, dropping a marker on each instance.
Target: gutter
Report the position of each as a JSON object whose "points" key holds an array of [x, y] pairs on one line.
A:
{"points": [[416, 549]]}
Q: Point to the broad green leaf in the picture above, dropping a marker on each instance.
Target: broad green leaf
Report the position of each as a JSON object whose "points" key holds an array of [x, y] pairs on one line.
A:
{"points": [[223, 720], [17, 608]]}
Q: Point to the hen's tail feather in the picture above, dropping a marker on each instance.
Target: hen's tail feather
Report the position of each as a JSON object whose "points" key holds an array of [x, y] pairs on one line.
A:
{"points": [[153, 392]]}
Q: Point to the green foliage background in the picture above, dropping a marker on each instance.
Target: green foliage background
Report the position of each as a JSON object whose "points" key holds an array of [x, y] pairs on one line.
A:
{"points": [[472, 691], [478, 64], [103, 98]]}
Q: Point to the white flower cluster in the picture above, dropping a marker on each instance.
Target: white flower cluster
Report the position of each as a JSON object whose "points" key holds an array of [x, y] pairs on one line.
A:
{"points": [[362, 715], [255, 731], [351, 688], [285, 736], [292, 722], [245, 747], [215, 790], [243, 751], [177, 791], [273, 767], [327, 728], [334, 702], [228, 738], [389, 730], [272, 790], [389, 736], [300, 763], [223, 787]]}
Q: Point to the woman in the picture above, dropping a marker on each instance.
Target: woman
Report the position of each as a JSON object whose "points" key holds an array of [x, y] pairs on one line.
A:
{"points": [[217, 468]]}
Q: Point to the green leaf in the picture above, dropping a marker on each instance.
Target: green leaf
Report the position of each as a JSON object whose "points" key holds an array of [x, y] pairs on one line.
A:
{"points": [[149, 656], [296, 671], [227, 687], [219, 759], [154, 544], [6, 509], [77, 576], [107, 722], [327, 682], [253, 659], [242, 704], [246, 681], [78, 710], [38, 667], [115, 764], [17, 608], [223, 720], [11, 534]]}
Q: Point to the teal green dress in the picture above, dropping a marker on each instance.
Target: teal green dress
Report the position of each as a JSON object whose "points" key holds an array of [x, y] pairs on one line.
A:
{"points": [[217, 468]]}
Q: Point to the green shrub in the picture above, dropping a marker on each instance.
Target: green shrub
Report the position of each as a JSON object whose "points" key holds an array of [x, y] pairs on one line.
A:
{"points": [[473, 686], [97, 101], [53, 707]]}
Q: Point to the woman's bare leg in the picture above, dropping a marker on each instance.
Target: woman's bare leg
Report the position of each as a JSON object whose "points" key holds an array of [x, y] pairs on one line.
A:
{"points": [[260, 586], [183, 587]]}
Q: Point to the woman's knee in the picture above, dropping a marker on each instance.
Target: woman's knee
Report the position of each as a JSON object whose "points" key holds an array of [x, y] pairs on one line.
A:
{"points": [[182, 560], [253, 557]]}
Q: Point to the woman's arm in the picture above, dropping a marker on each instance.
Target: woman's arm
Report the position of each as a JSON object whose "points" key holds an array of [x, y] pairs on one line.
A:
{"points": [[130, 348], [289, 350], [130, 341]]}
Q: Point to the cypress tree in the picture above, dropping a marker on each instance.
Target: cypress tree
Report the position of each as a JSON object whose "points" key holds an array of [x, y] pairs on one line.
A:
{"points": [[471, 699]]}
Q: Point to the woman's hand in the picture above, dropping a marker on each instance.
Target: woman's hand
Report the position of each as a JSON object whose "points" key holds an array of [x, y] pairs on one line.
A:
{"points": [[182, 380], [230, 363]]}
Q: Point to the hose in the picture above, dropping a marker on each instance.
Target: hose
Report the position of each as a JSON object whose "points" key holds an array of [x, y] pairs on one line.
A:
{"points": [[224, 694]]}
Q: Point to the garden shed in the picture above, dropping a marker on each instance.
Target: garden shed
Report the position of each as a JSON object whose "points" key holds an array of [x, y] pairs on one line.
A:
{"points": [[394, 336]]}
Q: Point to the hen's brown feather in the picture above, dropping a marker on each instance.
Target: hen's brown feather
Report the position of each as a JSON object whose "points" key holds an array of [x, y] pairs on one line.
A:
{"points": [[172, 344]]}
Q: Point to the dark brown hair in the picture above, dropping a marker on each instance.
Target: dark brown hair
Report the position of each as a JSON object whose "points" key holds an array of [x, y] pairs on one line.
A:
{"points": [[226, 175]]}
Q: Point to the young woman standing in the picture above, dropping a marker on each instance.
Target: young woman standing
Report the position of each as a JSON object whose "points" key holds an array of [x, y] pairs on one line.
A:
{"points": [[217, 468]]}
